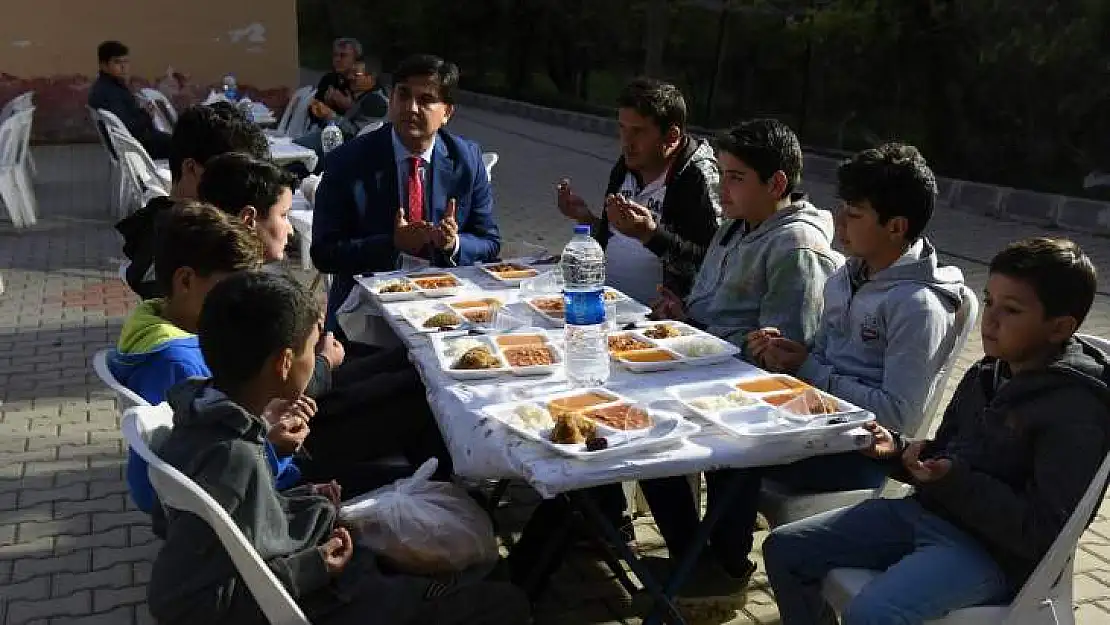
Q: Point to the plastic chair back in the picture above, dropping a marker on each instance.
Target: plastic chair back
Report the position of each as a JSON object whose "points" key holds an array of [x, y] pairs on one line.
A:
{"points": [[144, 428]]}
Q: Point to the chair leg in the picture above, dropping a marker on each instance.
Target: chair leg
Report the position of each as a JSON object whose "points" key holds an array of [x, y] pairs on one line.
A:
{"points": [[12, 198]]}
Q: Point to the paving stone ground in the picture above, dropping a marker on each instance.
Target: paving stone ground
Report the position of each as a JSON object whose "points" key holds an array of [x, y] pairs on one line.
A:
{"points": [[72, 548]]}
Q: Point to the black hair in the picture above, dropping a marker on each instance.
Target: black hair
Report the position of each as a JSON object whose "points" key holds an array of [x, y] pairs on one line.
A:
{"points": [[203, 238], [234, 181], [202, 132], [1062, 276], [766, 146], [659, 101], [109, 50], [445, 73], [895, 180], [247, 319]]}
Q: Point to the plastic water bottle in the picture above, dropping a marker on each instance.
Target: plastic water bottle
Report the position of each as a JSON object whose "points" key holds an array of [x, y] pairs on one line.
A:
{"points": [[231, 88], [331, 137], [587, 351]]}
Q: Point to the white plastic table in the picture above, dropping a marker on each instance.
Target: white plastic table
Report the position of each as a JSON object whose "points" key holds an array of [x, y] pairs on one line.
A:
{"points": [[481, 448], [283, 152]]}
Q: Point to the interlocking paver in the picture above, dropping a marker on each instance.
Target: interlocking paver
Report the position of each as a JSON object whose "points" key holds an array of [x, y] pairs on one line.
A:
{"points": [[62, 494]]}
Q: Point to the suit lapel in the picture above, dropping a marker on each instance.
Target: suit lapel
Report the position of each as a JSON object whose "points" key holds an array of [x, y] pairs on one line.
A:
{"points": [[443, 177]]}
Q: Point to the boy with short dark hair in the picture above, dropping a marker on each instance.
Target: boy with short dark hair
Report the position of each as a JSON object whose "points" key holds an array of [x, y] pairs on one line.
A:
{"points": [[1021, 440], [257, 334], [766, 267], [256, 191]]}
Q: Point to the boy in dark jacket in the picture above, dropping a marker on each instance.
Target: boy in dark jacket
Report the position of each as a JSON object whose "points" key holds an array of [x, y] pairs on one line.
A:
{"points": [[257, 335], [110, 92], [1021, 440]]}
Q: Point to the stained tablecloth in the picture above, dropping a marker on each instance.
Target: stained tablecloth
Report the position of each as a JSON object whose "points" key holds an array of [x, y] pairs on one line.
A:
{"points": [[481, 448]]}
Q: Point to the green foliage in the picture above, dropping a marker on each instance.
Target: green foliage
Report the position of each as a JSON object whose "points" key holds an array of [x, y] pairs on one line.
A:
{"points": [[1008, 91]]}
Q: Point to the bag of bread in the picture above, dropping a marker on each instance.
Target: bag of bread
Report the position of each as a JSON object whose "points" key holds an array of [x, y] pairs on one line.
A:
{"points": [[423, 527]]}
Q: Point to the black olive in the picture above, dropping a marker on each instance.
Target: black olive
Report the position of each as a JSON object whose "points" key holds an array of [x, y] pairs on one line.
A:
{"points": [[596, 443]]}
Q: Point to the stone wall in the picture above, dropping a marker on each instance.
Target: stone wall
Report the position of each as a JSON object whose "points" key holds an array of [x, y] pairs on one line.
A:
{"points": [[183, 48]]}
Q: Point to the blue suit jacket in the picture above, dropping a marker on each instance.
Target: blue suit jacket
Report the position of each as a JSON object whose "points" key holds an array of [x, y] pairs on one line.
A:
{"points": [[358, 199]]}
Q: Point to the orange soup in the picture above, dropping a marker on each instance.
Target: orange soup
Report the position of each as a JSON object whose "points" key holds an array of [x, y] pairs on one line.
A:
{"points": [[578, 402], [770, 384], [520, 339], [647, 355]]}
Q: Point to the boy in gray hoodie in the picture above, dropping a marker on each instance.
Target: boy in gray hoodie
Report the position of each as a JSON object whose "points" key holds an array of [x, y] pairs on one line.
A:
{"points": [[1021, 440], [890, 311], [257, 333], [766, 266]]}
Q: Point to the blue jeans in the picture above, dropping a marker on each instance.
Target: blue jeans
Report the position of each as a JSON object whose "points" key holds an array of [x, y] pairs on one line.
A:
{"points": [[930, 566], [676, 513]]}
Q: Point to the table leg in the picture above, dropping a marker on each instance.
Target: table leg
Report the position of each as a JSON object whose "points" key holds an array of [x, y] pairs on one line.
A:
{"points": [[689, 560], [583, 501]]}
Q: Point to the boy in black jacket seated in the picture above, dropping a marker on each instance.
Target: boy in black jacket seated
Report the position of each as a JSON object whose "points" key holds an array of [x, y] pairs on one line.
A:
{"points": [[1021, 440], [257, 332]]}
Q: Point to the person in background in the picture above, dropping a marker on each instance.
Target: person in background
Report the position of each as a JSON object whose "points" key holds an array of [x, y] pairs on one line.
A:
{"points": [[409, 187], [257, 332], [1020, 443], [371, 104], [334, 89], [201, 132], [111, 92], [661, 207]]}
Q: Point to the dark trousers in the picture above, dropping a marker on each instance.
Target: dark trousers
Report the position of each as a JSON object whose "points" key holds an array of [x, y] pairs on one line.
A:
{"points": [[676, 512], [157, 145], [374, 426]]}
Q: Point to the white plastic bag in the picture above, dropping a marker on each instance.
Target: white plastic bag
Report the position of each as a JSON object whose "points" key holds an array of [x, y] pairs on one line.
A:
{"points": [[423, 527]]}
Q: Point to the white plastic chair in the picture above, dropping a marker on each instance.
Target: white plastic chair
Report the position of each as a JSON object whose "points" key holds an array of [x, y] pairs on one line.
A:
{"points": [[165, 115], [294, 119], [115, 184], [21, 102], [140, 177], [125, 397], [489, 159], [1046, 597], [16, 189], [145, 428], [780, 504]]}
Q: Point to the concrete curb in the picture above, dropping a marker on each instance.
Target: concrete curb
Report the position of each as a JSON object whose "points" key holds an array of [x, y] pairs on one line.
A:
{"points": [[1045, 209]]}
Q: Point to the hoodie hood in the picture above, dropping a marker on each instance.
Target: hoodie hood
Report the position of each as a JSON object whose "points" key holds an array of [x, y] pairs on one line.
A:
{"points": [[694, 153], [800, 213], [198, 404], [919, 265], [1080, 365], [146, 329]]}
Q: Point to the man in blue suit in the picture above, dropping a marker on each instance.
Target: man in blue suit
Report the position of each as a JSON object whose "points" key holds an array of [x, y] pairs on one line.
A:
{"points": [[410, 187]]}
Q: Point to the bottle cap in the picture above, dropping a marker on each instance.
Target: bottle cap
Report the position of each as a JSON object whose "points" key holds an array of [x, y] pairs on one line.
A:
{"points": [[582, 229]]}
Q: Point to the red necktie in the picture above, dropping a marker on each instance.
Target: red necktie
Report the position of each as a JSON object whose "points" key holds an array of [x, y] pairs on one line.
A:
{"points": [[416, 190]]}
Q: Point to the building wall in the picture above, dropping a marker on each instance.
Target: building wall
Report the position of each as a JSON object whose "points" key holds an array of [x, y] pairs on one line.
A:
{"points": [[49, 46]]}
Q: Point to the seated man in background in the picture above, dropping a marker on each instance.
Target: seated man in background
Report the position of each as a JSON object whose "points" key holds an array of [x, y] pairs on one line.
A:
{"points": [[258, 331], [371, 104], [409, 187], [110, 92], [333, 89], [201, 133]]}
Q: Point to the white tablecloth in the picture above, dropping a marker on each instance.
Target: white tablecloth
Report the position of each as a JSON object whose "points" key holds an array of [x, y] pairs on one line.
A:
{"points": [[483, 449], [283, 152]]}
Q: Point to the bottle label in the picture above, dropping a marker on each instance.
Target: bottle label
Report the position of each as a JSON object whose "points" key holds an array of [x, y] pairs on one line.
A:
{"points": [[584, 308]]}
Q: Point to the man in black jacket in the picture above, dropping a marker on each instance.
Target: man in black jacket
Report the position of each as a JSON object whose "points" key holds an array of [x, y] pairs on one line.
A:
{"points": [[661, 207], [110, 93]]}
